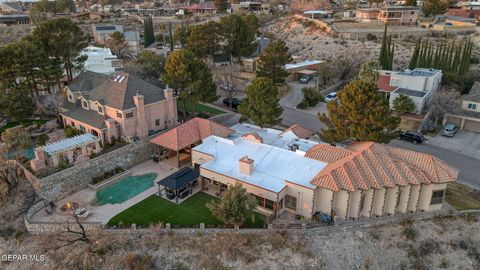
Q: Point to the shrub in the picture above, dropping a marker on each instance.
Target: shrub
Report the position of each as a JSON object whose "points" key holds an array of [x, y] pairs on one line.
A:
{"points": [[403, 104], [302, 105], [410, 233], [42, 139], [72, 132], [371, 37], [311, 96]]}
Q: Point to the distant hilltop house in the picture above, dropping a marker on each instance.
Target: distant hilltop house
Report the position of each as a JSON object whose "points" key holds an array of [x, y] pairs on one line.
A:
{"points": [[393, 15], [419, 84], [468, 117], [250, 63], [199, 8], [101, 33], [101, 60], [289, 174], [250, 7], [117, 106], [13, 7]]}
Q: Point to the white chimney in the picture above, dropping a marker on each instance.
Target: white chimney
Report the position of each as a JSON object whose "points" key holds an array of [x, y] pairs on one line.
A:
{"points": [[245, 165]]}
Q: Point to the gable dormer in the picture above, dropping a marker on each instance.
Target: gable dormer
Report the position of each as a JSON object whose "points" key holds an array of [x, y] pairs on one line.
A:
{"points": [[99, 107], [84, 103]]}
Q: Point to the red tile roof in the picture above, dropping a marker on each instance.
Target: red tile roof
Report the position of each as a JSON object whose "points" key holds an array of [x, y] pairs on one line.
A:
{"points": [[190, 132], [301, 132], [383, 84], [327, 153], [373, 165]]}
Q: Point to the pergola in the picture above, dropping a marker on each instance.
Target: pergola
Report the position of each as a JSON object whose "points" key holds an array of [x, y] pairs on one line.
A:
{"points": [[68, 145], [179, 184]]}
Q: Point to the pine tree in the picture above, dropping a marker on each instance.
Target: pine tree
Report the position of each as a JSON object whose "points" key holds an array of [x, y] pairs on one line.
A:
{"points": [[221, 5], [416, 53], [272, 62], [261, 103], [387, 51], [238, 36], [149, 35], [202, 87], [360, 114], [203, 39]]}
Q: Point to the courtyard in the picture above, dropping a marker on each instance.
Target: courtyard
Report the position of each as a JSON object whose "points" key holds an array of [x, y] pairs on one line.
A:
{"points": [[189, 213]]}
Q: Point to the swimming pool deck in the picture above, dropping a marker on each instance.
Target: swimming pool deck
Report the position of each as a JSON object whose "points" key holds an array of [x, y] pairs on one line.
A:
{"points": [[103, 213]]}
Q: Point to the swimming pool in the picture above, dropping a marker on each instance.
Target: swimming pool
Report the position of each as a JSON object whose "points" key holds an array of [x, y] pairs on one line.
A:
{"points": [[125, 189]]}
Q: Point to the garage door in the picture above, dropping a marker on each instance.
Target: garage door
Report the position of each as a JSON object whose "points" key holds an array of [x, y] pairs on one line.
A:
{"points": [[454, 120], [472, 125]]}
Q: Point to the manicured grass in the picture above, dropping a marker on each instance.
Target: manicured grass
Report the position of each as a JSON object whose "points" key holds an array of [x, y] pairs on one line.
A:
{"points": [[460, 197], [192, 212], [199, 108], [25, 123]]}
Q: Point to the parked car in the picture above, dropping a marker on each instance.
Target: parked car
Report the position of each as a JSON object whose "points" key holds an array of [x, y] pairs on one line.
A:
{"points": [[449, 130], [305, 78], [235, 102], [412, 136], [331, 96]]}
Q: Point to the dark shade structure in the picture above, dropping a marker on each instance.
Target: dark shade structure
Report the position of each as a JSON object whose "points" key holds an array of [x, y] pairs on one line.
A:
{"points": [[179, 184]]}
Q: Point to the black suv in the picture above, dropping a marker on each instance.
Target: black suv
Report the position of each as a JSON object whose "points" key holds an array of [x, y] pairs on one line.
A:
{"points": [[412, 136], [235, 102]]}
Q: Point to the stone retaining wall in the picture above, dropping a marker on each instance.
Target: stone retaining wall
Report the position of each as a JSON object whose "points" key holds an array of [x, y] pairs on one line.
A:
{"points": [[66, 182], [110, 181]]}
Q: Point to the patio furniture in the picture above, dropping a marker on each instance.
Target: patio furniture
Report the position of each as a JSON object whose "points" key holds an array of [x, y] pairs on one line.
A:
{"points": [[82, 213]]}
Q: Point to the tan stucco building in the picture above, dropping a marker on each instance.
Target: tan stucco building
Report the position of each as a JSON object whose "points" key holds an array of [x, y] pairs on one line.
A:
{"points": [[287, 173], [117, 106]]}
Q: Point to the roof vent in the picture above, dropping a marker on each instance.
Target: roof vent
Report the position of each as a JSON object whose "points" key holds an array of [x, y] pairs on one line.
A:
{"points": [[294, 147]]}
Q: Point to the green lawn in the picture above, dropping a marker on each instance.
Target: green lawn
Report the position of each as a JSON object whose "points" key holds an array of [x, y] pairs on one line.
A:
{"points": [[192, 212], [199, 108], [25, 123], [460, 197]]}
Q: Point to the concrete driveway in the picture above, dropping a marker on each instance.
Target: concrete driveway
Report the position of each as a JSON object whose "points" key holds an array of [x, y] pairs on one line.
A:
{"points": [[295, 95], [464, 142]]}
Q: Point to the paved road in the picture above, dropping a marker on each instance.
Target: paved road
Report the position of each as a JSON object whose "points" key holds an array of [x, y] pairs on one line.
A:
{"points": [[469, 167], [292, 116]]}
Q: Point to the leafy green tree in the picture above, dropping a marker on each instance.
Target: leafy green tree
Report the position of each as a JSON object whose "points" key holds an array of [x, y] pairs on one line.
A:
{"points": [[178, 74], [387, 51], [181, 34], [16, 102], [235, 206], [150, 64], [16, 140], [203, 39], [261, 103], [434, 7], [369, 72], [252, 20], [221, 5], [72, 131], [63, 41], [202, 88], [238, 36], [360, 114], [149, 32], [117, 43], [403, 104], [326, 72], [272, 62]]}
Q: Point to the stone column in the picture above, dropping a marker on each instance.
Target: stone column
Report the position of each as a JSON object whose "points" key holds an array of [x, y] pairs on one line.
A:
{"points": [[97, 147], [70, 156], [413, 200], [378, 202], [403, 199], [391, 200], [425, 197], [365, 209], [55, 160], [354, 204], [340, 204], [84, 150]]}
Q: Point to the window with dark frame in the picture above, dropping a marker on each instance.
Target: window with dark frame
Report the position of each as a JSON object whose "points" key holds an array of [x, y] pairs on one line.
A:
{"points": [[129, 115], [119, 114], [437, 197], [157, 122], [290, 202]]}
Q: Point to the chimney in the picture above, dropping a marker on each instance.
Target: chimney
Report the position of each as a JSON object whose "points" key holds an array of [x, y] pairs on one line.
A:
{"points": [[245, 165]]}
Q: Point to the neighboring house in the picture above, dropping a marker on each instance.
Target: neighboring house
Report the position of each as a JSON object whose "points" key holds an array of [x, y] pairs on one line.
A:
{"points": [[101, 60], [12, 19], [90, 16], [120, 106], [399, 15], [363, 180], [251, 7], [10, 8], [101, 33], [200, 8], [367, 13], [221, 59], [307, 67], [419, 84], [318, 14], [469, 117], [470, 5], [250, 63]]}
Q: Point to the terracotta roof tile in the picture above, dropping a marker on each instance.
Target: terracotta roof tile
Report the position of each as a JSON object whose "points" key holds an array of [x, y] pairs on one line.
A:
{"points": [[190, 132], [300, 131], [383, 84], [366, 165]]}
